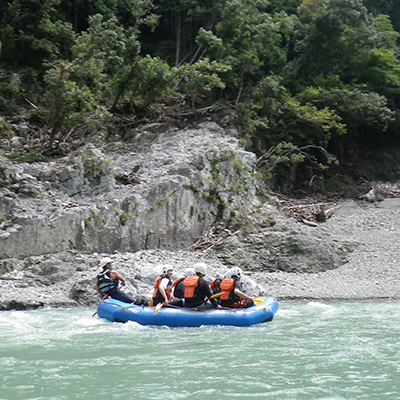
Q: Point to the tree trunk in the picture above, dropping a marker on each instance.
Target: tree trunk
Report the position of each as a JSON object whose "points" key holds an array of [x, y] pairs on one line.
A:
{"points": [[178, 37]]}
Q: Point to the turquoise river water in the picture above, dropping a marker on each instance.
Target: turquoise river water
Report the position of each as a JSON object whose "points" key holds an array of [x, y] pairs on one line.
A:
{"points": [[312, 350]]}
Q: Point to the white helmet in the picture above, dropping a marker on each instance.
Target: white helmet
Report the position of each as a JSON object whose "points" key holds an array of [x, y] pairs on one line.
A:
{"points": [[165, 269], [228, 274], [237, 272], [105, 261], [189, 272], [200, 268]]}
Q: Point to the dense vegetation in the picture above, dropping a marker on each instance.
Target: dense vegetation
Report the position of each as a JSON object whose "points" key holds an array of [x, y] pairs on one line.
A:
{"points": [[306, 78]]}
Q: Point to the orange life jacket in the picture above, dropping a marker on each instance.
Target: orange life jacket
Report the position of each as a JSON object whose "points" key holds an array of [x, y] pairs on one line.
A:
{"points": [[156, 286], [190, 283], [173, 285], [215, 286], [226, 287], [176, 282], [178, 291]]}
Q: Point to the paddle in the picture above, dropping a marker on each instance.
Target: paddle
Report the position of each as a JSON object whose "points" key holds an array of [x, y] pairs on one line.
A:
{"points": [[216, 295], [258, 301], [105, 297], [158, 306]]}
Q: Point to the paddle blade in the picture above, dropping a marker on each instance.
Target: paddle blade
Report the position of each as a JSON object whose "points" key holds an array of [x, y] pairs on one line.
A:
{"points": [[258, 301], [158, 306], [217, 294]]}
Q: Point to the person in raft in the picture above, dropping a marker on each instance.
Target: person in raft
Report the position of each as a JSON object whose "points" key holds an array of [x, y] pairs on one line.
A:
{"points": [[178, 288], [197, 290], [215, 285], [108, 280], [233, 296], [163, 286]]}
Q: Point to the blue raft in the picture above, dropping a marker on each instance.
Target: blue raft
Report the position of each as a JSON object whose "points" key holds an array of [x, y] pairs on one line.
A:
{"points": [[117, 311]]}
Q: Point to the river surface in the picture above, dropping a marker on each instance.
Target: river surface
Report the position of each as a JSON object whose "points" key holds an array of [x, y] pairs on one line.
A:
{"points": [[311, 350]]}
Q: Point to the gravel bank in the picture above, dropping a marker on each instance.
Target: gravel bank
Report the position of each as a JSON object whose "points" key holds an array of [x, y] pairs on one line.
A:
{"points": [[372, 270]]}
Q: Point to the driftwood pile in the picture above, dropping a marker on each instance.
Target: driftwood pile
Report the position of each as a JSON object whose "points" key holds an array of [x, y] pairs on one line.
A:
{"points": [[381, 190], [308, 211], [209, 239]]}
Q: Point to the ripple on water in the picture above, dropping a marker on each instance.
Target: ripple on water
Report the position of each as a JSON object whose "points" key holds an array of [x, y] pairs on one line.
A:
{"points": [[312, 350]]}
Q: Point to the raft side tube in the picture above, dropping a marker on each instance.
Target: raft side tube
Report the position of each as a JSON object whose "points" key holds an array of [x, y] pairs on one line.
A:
{"points": [[116, 311]]}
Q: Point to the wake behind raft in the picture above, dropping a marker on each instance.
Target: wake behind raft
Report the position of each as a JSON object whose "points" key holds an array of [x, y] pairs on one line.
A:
{"points": [[117, 311]]}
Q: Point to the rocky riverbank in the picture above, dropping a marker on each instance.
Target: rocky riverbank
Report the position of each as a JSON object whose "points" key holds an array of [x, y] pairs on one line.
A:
{"points": [[158, 195], [371, 230]]}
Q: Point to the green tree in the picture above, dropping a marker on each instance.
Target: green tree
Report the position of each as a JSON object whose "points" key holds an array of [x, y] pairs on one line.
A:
{"points": [[109, 51], [198, 80], [387, 36], [250, 40], [379, 68], [333, 35], [152, 78], [174, 38], [365, 114], [288, 6], [31, 33], [127, 12], [347, 57], [65, 103], [387, 7], [101, 58], [272, 116]]}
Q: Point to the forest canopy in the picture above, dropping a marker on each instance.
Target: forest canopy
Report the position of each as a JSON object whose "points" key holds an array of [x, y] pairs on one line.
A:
{"points": [[300, 74]]}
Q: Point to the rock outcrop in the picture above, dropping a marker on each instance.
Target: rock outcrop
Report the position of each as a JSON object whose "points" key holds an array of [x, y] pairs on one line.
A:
{"points": [[160, 190]]}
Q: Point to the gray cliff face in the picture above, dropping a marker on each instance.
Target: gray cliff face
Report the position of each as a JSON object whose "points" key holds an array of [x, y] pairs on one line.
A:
{"points": [[156, 188], [162, 193]]}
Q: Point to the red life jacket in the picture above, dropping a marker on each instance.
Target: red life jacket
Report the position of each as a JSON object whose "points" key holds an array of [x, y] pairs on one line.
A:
{"points": [[156, 286], [226, 287], [190, 283]]}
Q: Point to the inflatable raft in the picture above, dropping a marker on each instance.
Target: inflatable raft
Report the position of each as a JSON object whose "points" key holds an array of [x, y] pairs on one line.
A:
{"points": [[116, 311]]}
